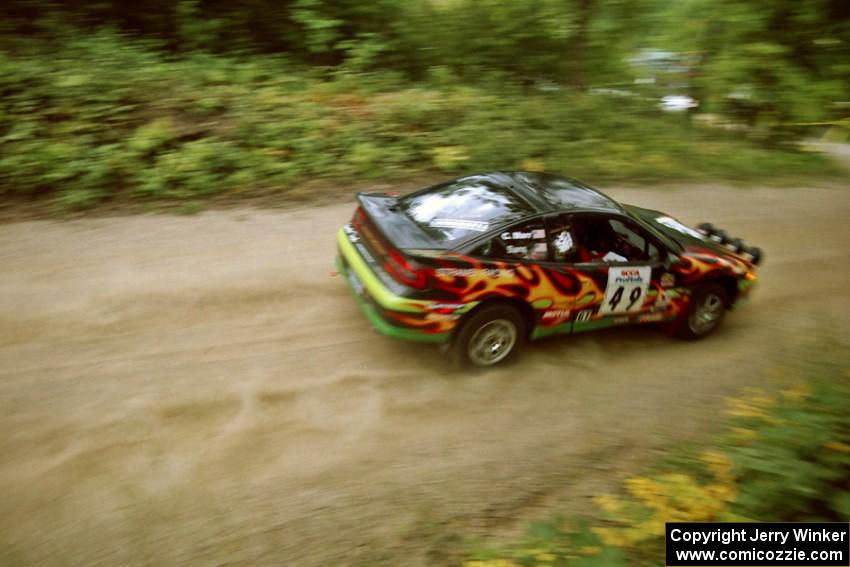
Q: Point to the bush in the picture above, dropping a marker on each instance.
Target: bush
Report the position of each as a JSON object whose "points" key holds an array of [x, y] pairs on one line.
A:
{"points": [[103, 115], [783, 457]]}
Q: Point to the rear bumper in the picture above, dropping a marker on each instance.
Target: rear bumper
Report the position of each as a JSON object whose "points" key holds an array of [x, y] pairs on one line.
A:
{"points": [[393, 315]]}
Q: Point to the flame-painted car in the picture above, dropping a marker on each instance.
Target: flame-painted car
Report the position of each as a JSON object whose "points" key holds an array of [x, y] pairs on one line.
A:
{"points": [[486, 262]]}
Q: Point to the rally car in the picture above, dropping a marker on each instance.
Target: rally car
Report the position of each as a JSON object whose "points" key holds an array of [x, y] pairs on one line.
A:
{"points": [[487, 262]]}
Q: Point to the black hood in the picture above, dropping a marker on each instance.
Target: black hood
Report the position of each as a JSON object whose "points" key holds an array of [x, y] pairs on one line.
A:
{"points": [[686, 237]]}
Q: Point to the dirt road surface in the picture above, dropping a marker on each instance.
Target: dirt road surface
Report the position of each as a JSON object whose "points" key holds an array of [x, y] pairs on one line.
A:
{"points": [[200, 390]]}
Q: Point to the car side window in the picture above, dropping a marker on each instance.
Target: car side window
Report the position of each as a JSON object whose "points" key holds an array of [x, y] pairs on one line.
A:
{"points": [[523, 241], [641, 247], [604, 239]]}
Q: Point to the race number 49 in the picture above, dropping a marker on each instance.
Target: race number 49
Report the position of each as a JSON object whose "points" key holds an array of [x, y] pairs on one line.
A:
{"points": [[626, 289]]}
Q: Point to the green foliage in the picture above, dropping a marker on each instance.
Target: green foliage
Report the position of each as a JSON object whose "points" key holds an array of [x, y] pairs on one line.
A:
{"points": [[320, 30], [792, 462], [110, 116], [197, 168], [782, 458], [766, 62]]}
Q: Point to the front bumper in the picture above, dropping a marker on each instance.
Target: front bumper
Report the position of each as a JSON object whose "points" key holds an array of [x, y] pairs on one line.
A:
{"points": [[746, 286], [391, 314]]}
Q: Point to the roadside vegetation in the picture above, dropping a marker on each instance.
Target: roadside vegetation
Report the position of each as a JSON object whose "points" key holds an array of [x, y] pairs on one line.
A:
{"points": [[782, 457], [178, 102]]}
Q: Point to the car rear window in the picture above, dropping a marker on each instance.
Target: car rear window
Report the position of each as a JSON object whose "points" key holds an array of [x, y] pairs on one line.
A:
{"points": [[462, 209]]}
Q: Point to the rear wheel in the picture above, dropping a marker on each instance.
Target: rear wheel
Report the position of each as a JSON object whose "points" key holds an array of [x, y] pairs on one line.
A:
{"points": [[491, 335], [706, 311]]}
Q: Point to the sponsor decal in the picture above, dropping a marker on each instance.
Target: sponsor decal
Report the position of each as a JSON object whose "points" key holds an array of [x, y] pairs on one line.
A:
{"points": [[584, 315], [351, 233], [668, 279], [535, 234], [556, 314], [470, 272], [477, 226], [626, 289], [563, 242], [670, 222], [516, 249], [626, 275], [436, 306]]}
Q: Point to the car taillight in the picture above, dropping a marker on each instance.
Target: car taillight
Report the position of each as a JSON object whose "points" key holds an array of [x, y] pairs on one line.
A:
{"points": [[358, 218], [403, 271]]}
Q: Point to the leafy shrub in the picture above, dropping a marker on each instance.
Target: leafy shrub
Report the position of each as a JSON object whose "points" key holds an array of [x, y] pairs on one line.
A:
{"points": [[103, 115], [198, 168], [783, 457]]}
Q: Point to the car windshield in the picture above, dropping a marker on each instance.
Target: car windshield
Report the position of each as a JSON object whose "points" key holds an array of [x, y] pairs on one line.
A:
{"points": [[565, 193], [462, 209]]}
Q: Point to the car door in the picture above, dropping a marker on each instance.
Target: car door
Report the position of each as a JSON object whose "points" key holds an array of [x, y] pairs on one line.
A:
{"points": [[507, 262], [519, 259], [621, 267]]}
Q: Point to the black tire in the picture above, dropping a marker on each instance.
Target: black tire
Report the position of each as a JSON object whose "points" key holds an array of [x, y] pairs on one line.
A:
{"points": [[503, 327], [705, 312], [706, 228]]}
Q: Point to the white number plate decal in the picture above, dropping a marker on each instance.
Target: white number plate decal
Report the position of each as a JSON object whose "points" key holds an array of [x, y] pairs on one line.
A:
{"points": [[626, 289]]}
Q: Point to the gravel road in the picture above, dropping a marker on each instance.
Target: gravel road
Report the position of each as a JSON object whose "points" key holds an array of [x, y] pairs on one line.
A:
{"points": [[202, 390]]}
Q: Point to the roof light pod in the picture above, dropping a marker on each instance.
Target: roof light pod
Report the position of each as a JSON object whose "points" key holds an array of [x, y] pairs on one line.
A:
{"points": [[720, 236], [737, 244], [755, 253]]}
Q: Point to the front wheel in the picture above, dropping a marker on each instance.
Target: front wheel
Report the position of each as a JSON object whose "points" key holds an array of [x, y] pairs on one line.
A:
{"points": [[706, 311], [491, 335]]}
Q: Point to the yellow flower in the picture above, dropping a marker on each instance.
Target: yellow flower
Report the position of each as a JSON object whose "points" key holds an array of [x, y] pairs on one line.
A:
{"points": [[449, 157], [613, 536], [643, 488], [752, 404], [720, 465], [744, 433], [490, 563], [589, 550], [609, 504], [837, 446], [533, 164], [796, 392]]}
